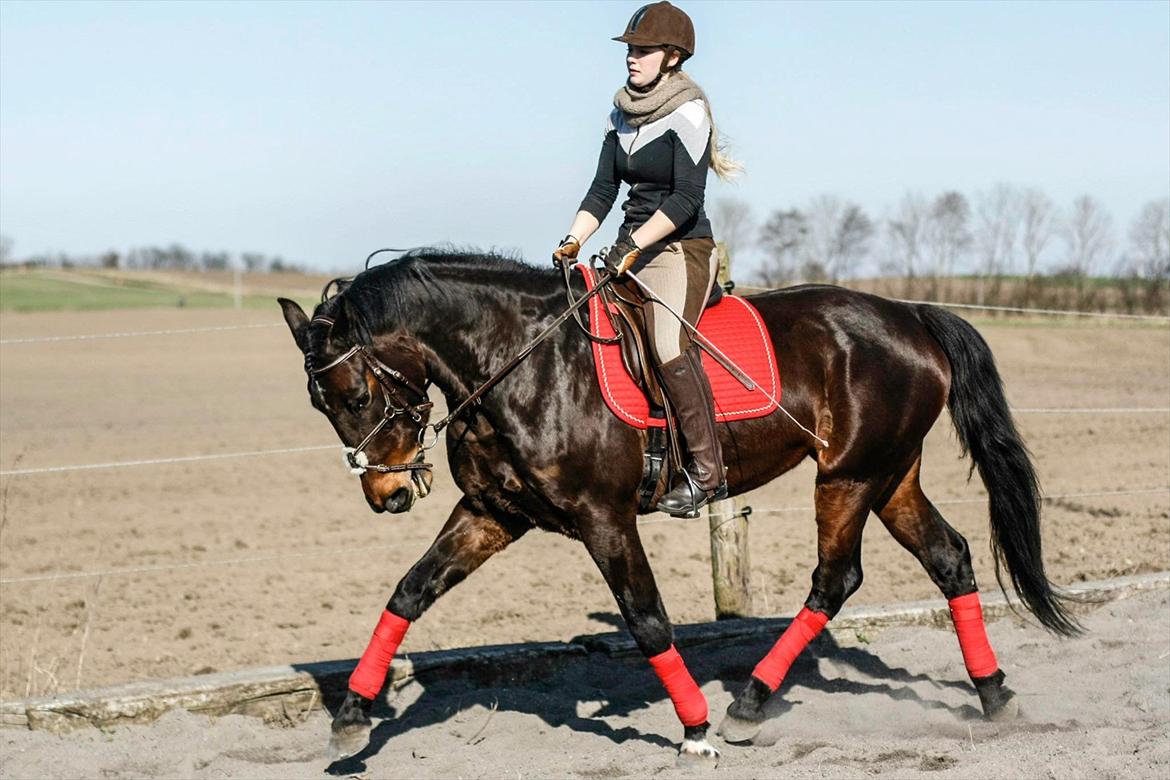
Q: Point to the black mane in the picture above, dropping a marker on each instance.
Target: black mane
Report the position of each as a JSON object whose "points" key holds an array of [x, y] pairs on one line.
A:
{"points": [[413, 287]]}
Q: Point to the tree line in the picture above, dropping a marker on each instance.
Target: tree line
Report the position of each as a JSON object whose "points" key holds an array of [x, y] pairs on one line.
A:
{"points": [[174, 257], [1006, 246]]}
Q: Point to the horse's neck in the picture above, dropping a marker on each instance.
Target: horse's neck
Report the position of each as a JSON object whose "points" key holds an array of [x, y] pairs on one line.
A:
{"points": [[466, 347]]}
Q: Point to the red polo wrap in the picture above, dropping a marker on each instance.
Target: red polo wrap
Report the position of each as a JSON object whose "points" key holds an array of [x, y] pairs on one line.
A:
{"points": [[803, 629], [689, 701], [369, 676], [967, 615]]}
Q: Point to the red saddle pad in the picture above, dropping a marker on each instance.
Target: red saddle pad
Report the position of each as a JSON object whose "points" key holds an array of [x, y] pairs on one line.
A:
{"points": [[733, 325]]}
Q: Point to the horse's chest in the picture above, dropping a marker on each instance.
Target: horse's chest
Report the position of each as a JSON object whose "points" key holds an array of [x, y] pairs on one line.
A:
{"points": [[484, 471]]}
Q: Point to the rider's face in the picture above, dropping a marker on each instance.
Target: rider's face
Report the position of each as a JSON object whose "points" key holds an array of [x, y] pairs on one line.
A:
{"points": [[644, 62]]}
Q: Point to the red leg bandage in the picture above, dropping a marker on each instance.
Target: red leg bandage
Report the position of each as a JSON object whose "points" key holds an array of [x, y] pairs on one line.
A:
{"points": [[369, 676], [689, 701], [967, 615], [804, 629]]}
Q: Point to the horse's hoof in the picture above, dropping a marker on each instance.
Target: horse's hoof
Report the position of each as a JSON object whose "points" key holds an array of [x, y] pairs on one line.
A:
{"points": [[1008, 711], [697, 754], [347, 741], [738, 730]]}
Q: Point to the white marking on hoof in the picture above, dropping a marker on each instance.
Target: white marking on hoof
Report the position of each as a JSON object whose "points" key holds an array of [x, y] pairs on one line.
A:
{"points": [[698, 752]]}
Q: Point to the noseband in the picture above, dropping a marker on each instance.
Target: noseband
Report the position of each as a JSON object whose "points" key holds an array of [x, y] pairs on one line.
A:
{"points": [[356, 458]]}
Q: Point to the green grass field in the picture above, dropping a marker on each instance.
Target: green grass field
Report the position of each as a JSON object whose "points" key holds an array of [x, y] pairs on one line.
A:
{"points": [[51, 290]]}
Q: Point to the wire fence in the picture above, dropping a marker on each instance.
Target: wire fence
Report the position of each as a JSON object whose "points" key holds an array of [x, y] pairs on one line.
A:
{"points": [[136, 333], [946, 304], [351, 550], [322, 447]]}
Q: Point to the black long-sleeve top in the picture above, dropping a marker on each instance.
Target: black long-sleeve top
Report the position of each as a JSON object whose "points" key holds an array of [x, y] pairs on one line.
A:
{"points": [[665, 163]]}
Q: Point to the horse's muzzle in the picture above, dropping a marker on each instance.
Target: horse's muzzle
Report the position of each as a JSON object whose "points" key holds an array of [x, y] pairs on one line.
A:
{"points": [[401, 500]]}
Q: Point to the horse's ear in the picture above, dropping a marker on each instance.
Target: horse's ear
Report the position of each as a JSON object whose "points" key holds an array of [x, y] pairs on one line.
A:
{"points": [[298, 322]]}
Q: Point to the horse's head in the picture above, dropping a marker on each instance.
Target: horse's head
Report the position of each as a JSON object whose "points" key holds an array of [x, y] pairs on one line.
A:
{"points": [[374, 395]]}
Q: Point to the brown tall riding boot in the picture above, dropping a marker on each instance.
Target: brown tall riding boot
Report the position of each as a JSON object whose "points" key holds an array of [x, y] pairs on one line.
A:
{"points": [[686, 385]]}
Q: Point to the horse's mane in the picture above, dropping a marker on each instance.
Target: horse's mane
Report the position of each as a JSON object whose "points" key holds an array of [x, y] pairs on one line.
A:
{"points": [[412, 287]]}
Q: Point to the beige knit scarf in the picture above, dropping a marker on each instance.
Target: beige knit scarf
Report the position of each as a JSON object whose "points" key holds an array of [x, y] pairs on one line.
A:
{"points": [[666, 95]]}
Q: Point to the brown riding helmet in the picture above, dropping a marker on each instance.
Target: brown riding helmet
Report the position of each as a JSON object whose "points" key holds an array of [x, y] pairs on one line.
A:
{"points": [[660, 24]]}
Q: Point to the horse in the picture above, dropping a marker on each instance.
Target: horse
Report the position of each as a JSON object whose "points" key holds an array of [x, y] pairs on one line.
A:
{"points": [[540, 450]]}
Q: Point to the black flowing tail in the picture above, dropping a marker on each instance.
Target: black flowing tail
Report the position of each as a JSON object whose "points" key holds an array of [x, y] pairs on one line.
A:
{"points": [[985, 429]]}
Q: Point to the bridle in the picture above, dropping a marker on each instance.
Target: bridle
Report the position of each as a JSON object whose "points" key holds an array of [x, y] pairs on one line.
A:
{"points": [[356, 458], [395, 405]]}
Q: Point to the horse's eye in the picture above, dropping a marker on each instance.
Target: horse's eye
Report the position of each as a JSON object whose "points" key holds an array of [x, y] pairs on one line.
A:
{"points": [[358, 404]]}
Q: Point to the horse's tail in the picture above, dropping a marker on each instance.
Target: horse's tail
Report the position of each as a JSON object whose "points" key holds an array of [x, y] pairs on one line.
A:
{"points": [[985, 429]]}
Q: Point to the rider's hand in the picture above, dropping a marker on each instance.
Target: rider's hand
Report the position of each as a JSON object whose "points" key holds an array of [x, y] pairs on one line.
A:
{"points": [[621, 256], [566, 253]]}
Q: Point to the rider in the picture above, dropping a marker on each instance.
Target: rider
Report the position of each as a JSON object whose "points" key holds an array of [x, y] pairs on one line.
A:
{"points": [[661, 139]]}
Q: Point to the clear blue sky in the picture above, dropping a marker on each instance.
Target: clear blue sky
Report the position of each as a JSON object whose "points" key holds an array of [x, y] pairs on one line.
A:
{"points": [[319, 131]]}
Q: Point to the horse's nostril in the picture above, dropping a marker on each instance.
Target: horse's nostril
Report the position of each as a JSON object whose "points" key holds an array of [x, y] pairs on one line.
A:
{"points": [[398, 500]]}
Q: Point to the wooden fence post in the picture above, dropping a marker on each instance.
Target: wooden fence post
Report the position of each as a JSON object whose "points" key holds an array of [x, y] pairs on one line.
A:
{"points": [[730, 564]]}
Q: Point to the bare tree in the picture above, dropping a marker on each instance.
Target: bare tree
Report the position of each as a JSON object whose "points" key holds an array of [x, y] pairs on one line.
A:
{"points": [[1149, 238], [5, 249], [253, 261], [1038, 216], [997, 228], [948, 237], [1088, 236], [906, 235], [214, 261], [838, 237], [734, 224], [783, 239], [854, 232]]}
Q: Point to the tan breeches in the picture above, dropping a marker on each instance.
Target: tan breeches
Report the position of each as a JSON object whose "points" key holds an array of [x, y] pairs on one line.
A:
{"points": [[681, 275]]}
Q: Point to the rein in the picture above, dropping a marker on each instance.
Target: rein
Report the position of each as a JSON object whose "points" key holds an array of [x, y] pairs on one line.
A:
{"points": [[603, 281]]}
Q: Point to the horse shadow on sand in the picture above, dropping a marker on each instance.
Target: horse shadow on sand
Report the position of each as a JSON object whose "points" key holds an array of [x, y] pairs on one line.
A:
{"points": [[579, 690]]}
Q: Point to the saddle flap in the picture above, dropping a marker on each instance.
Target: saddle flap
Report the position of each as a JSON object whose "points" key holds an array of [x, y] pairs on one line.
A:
{"points": [[635, 350]]}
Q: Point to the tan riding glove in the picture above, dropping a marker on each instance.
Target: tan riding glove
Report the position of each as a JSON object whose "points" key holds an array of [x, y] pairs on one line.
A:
{"points": [[566, 253], [621, 256]]}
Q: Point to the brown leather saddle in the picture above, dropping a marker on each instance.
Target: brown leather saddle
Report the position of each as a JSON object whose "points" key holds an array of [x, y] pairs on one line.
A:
{"points": [[629, 321]]}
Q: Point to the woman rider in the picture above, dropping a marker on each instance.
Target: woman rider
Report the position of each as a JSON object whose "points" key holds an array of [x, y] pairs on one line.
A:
{"points": [[661, 138]]}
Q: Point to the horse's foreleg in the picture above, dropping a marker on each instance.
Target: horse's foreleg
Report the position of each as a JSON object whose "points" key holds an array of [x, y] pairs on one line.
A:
{"points": [[842, 507], [943, 552], [619, 555], [469, 537]]}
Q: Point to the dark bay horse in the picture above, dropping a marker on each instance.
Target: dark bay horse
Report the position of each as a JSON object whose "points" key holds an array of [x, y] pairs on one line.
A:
{"points": [[541, 450]]}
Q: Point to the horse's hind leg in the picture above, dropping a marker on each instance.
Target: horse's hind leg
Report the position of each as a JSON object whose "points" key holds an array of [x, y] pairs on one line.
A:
{"points": [[619, 555], [943, 552], [842, 508]]}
